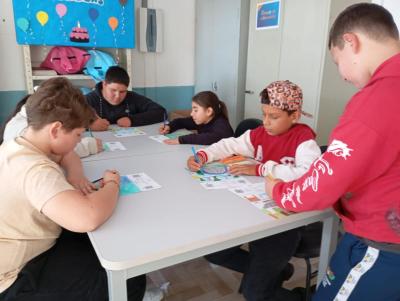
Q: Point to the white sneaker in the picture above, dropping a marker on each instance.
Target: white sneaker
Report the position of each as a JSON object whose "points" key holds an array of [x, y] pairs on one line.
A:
{"points": [[153, 294]]}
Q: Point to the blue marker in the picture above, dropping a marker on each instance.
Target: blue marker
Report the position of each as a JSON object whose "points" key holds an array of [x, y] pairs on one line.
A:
{"points": [[196, 158]]}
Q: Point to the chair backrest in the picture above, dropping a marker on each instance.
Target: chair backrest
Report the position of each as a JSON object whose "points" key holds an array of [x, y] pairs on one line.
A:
{"points": [[323, 148], [247, 124]]}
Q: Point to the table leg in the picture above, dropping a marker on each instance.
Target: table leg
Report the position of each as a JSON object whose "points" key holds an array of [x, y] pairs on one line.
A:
{"points": [[117, 285], [328, 244]]}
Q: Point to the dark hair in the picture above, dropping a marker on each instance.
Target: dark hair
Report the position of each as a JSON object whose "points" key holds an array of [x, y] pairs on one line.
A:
{"points": [[266, 101], [373, 20], [16, 110], [57, 99], [117, 74], [208, 99]]}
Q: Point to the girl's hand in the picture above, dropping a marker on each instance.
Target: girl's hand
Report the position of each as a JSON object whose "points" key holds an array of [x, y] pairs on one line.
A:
{"points": [[270, 184], [171, 141], [193, 165], [124, 122], [243, 169], [164, 129], [99, 144]]}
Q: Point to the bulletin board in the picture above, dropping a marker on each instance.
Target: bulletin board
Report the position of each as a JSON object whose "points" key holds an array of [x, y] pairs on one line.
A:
{"points": [[81, 23]]}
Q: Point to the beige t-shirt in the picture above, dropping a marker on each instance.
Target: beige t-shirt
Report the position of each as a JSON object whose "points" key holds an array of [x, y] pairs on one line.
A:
{"points": [[28, 179]]}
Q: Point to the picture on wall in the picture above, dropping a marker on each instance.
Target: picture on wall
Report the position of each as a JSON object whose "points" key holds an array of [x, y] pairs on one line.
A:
{"points": [[81, 23], [268, 15]]}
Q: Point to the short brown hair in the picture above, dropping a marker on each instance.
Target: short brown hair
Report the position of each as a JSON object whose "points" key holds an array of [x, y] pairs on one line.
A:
{"points": [[371, 19], [58, 100]]}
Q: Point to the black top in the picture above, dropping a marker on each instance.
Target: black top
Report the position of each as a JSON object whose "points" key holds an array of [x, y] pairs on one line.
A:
{"points": [[140, 110], [207, 134]]}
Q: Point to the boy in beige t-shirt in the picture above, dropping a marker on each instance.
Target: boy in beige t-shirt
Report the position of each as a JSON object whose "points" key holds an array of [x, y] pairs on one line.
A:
{"points": [[36, 263]]}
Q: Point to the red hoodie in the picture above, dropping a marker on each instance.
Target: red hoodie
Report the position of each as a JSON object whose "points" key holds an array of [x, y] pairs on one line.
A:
{"points": [[359, 175]]}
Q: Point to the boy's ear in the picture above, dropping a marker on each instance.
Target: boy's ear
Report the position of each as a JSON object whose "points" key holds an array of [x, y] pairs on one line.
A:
{"points": [[352, 40], [295, 116], [55, 129]]}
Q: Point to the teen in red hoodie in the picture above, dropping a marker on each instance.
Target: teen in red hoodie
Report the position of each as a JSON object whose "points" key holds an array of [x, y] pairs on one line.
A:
{"points": [[359, 175]]}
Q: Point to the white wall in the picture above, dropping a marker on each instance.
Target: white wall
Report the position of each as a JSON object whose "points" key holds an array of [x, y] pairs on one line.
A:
{"points": [[11, 61], [173, 67], [393, 6]]}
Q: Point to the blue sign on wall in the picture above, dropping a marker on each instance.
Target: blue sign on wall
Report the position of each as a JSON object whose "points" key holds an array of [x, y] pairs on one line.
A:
{"points": [[87, 23], [268, 14]]}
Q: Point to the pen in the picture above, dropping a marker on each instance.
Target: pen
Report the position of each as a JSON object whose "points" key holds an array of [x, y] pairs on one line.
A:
{"points": [[98, 180], [90, 132], [196, 158]]}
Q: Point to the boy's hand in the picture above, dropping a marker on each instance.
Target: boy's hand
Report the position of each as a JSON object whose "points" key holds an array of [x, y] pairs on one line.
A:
{"points": [[111, 176], [171, 141], [164, 129], [243, 169], [100, 124], [99, 144], [193, 165], [124, 122], [82, 184], [270, 184]]}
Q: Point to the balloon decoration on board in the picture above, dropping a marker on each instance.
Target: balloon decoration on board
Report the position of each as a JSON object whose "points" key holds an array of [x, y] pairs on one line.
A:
{"points": [[122, 16], [113, 23], [23, 24], [42, 17], [93, 15], [61, 10], [52, 22]]}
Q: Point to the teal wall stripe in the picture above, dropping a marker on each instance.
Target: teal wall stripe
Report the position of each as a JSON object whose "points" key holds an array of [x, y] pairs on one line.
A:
{"points": [[8, 101], [171, 98]]}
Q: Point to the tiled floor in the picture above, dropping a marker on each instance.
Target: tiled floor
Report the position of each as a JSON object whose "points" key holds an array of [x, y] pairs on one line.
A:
{"points": [[197, 280]]}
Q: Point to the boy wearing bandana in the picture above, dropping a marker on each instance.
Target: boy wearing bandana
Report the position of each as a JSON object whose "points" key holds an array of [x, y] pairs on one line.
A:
{"points": [[285, 149]]}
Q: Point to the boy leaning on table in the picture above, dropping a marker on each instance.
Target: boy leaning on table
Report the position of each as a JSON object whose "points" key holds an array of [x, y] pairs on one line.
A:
{"points": [[45, 254], [359, 174]]}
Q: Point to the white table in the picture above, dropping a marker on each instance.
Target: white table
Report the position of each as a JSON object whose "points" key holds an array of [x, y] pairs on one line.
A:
{"points": [[181, 221], [135, 145]]}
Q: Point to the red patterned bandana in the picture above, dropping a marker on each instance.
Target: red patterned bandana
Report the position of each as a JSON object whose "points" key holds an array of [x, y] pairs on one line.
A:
{"points": [[285, 95]]}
